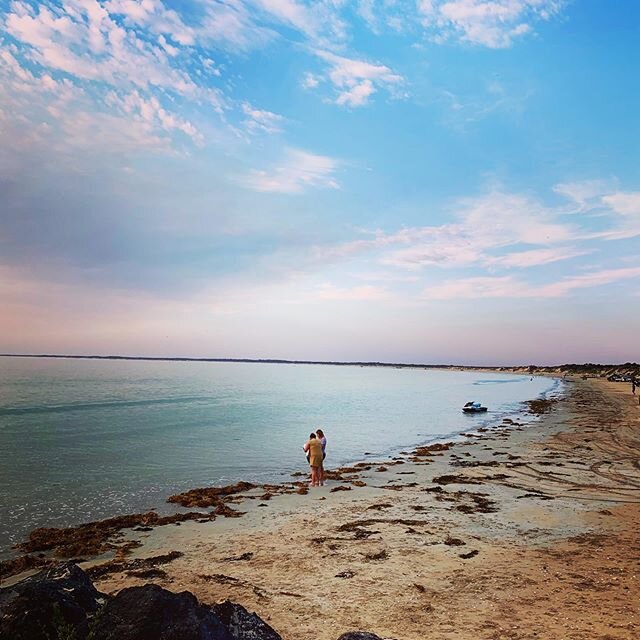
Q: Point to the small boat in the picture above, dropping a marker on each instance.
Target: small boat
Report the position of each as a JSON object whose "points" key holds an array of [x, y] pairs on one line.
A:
{"points": [[474, 407]]}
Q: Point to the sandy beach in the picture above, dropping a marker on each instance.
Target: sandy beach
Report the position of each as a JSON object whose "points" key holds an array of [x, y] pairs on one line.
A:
{"points": [[517, 532]]}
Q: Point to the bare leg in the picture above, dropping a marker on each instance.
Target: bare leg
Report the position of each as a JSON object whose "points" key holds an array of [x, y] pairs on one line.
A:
{"points": [[314, 476], [321, 474]]}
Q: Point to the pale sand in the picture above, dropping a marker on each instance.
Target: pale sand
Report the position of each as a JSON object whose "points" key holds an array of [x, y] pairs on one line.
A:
{"points": [[566, 567]]}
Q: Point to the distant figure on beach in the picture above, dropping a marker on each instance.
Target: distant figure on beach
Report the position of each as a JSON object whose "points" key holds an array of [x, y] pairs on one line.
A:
{"points": [[314, 448], [633, 386]]}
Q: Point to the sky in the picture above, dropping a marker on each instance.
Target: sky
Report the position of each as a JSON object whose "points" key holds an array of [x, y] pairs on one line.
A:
{"points": [[433, 181]]}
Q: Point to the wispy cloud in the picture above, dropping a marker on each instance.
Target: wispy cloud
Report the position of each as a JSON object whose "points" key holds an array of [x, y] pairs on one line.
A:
{"points": [[491, 23], [511, 287], [260, 120], [481, 226], [299, 171]]}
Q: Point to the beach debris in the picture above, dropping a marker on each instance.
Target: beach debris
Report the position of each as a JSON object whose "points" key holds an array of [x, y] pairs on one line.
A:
{"points": [[358, 483], [540, 406], [209, 496], [138, 564], [379, 506], [480, 504], [95, 538], [455, 479], [470, 554], [359, 635], [399, 487], [303, 491], [382, 468], [436, 489], [431, 449], [363, 534], [225, 510], [148, 574], [17, 565], [352, 526], [379, 555], [220, 578], [345, 574], [454, 542], [241, 558], [340, 488]]}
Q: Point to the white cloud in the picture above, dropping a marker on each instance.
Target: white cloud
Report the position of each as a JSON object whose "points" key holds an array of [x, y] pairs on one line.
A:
{"points": [[511, 287], [155, 16], [534, 257], [356, 80], [261, 121], [600, 198], [84, 41], [625, 204], [310, 81], [300, 171], [493, 221], [491, 23]]}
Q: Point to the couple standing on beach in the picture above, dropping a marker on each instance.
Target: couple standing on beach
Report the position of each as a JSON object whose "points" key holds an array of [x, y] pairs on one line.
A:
{"points": [[315, 448]]}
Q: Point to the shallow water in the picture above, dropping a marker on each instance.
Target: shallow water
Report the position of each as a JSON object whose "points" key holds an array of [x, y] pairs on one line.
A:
{"points": [[84, 439]]}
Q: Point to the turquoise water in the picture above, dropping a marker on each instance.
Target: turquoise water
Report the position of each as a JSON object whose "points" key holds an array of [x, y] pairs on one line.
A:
{"points": [[83, 439]]}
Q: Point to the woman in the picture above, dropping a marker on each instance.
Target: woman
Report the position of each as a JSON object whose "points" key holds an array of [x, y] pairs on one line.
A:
{"points": [[314, 447], [323, 441]]}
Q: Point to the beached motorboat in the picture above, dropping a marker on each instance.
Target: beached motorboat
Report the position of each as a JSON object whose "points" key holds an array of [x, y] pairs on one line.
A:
{"points": [[474, 407]]}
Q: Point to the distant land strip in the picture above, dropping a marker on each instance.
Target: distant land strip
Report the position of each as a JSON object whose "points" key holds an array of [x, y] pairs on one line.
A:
{"points": [[588, 368]]}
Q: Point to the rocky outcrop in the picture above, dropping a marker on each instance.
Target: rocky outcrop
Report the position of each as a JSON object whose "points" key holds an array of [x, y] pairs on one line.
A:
{"points": [[57, 601], [62, 603]]}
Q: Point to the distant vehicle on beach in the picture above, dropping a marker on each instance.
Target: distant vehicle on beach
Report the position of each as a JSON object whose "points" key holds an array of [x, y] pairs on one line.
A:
{"points": [[473, 407]]}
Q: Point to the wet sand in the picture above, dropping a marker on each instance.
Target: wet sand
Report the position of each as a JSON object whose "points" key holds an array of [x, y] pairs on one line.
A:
{"points": [[521, 533]]}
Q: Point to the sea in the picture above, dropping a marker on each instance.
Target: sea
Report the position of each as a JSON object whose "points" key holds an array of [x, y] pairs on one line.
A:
{"points": [[82, 440]]}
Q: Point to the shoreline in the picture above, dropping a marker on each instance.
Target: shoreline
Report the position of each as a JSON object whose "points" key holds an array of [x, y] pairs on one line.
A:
{"points": [[508, 535], [284, 478], [280, 485]]}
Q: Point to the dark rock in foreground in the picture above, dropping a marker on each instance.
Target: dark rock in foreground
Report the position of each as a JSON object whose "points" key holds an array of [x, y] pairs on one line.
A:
{"points": [[359, 635], [244, 625], [55, 602], [151, 612], [62, 603]]}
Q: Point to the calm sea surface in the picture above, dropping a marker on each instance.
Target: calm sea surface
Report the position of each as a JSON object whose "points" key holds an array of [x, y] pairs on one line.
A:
{"points": [[82, 440]]}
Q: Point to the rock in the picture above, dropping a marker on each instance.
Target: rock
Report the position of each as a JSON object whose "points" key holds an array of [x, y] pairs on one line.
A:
{"points": [[55, 601], [359, 635], [151, 612], [243, 625], [61, 603]]}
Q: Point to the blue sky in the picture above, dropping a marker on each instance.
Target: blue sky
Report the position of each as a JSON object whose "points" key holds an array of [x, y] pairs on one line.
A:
{"points": [[431, 181]]}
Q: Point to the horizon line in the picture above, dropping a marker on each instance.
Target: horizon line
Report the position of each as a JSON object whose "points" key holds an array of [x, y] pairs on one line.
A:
{"points": [[363, 363]]}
